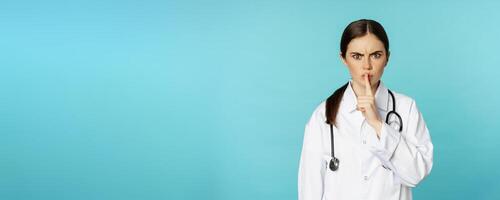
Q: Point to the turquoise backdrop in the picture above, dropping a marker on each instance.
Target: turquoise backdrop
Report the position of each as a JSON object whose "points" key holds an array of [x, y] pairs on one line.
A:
{"points": [[208, 99]]}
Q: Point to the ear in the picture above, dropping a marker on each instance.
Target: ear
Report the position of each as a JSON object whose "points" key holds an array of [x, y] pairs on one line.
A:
{"points": [[343, 59]]}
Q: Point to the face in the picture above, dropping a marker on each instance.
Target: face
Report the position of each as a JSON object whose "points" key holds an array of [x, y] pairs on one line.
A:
{"points": [[365, 55]]}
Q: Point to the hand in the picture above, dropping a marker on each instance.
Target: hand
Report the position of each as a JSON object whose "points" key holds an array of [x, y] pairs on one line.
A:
{"points": [[366, 104]]}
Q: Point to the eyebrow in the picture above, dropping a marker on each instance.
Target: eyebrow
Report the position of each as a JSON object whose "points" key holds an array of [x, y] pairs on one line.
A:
{"points": [[375, 52]]}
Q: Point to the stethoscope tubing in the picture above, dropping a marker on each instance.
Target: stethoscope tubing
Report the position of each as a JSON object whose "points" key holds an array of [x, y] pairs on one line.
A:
{"points": [[334, 162]]}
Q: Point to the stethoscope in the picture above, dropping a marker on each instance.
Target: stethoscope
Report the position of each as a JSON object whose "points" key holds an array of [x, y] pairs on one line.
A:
{"points": [[334, 162]]}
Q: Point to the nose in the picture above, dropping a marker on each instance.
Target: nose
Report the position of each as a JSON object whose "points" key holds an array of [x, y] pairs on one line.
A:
{"points": [[367, 65]]}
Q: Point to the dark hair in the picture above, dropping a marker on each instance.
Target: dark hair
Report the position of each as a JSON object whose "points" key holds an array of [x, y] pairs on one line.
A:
{"points": [[360, 28], [355, 29]]}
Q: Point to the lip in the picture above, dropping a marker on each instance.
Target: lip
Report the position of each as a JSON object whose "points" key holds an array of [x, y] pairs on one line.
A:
{"points": [[370, 77]]}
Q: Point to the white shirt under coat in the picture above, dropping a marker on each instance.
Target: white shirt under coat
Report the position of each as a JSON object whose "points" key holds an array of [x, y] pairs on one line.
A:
{"points": [[370, 168]]}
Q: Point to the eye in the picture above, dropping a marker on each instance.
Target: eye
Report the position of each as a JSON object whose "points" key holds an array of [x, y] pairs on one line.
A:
{"points": [[377, 55], [356, 56]]}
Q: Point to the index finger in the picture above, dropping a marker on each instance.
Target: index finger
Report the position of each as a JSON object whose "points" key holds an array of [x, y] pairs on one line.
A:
{"points": [[368, 87]]}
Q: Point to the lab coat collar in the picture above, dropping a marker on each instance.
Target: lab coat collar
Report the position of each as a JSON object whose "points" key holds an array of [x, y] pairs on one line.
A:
{"points": [[350, 101]]}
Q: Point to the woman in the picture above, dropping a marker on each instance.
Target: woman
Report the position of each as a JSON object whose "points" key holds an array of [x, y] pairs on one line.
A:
{"points": [[364, 141]]}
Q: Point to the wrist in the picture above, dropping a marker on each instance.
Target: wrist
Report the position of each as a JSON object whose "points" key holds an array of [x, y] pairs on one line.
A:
{"points": [[377, 125]]}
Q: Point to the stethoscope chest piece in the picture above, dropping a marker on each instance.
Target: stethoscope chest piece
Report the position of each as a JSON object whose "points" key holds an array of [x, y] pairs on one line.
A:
{"points": [[334, 164]]}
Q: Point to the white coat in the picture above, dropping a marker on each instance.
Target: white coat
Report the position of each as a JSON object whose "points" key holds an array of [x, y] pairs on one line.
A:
{"points": [[370, 168]]}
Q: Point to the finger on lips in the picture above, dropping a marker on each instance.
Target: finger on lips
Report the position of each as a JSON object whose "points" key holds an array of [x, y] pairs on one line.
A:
{"points": [[365, 101], [368, 87]]}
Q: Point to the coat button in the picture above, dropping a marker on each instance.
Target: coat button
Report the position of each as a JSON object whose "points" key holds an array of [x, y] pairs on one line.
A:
{"points": [[365, 177]]}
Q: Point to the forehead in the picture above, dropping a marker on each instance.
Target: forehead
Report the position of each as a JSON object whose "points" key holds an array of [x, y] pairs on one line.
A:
{"points": [[366, 43]]}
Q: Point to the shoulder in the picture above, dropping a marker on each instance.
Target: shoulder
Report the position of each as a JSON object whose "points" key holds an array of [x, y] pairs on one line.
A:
{"points": [[404, 102], [402, 97], [318, 115]]}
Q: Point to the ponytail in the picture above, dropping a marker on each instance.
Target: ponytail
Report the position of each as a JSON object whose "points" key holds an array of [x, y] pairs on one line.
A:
{"points": [[333, 104]]}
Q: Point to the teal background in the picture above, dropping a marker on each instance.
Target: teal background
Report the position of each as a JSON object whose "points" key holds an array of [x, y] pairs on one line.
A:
{"points": [[208, 99]]}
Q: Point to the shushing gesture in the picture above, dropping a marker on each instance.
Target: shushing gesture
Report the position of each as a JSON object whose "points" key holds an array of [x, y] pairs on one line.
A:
{"points": [[367, 106]]}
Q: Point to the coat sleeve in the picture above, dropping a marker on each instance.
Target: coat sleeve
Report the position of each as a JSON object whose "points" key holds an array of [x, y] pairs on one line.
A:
{"points": [[312, 167], [409, 155]]}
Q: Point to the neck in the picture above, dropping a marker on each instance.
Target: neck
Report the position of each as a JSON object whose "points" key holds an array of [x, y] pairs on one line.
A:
{"points": [[360, 89]]}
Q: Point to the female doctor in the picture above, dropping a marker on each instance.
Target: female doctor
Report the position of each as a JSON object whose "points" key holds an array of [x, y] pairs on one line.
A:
{"points": [[364, 141]]}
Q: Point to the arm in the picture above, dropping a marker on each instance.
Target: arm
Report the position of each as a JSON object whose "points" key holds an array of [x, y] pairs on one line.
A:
{"points": [[409, 154], [312, 167]]}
